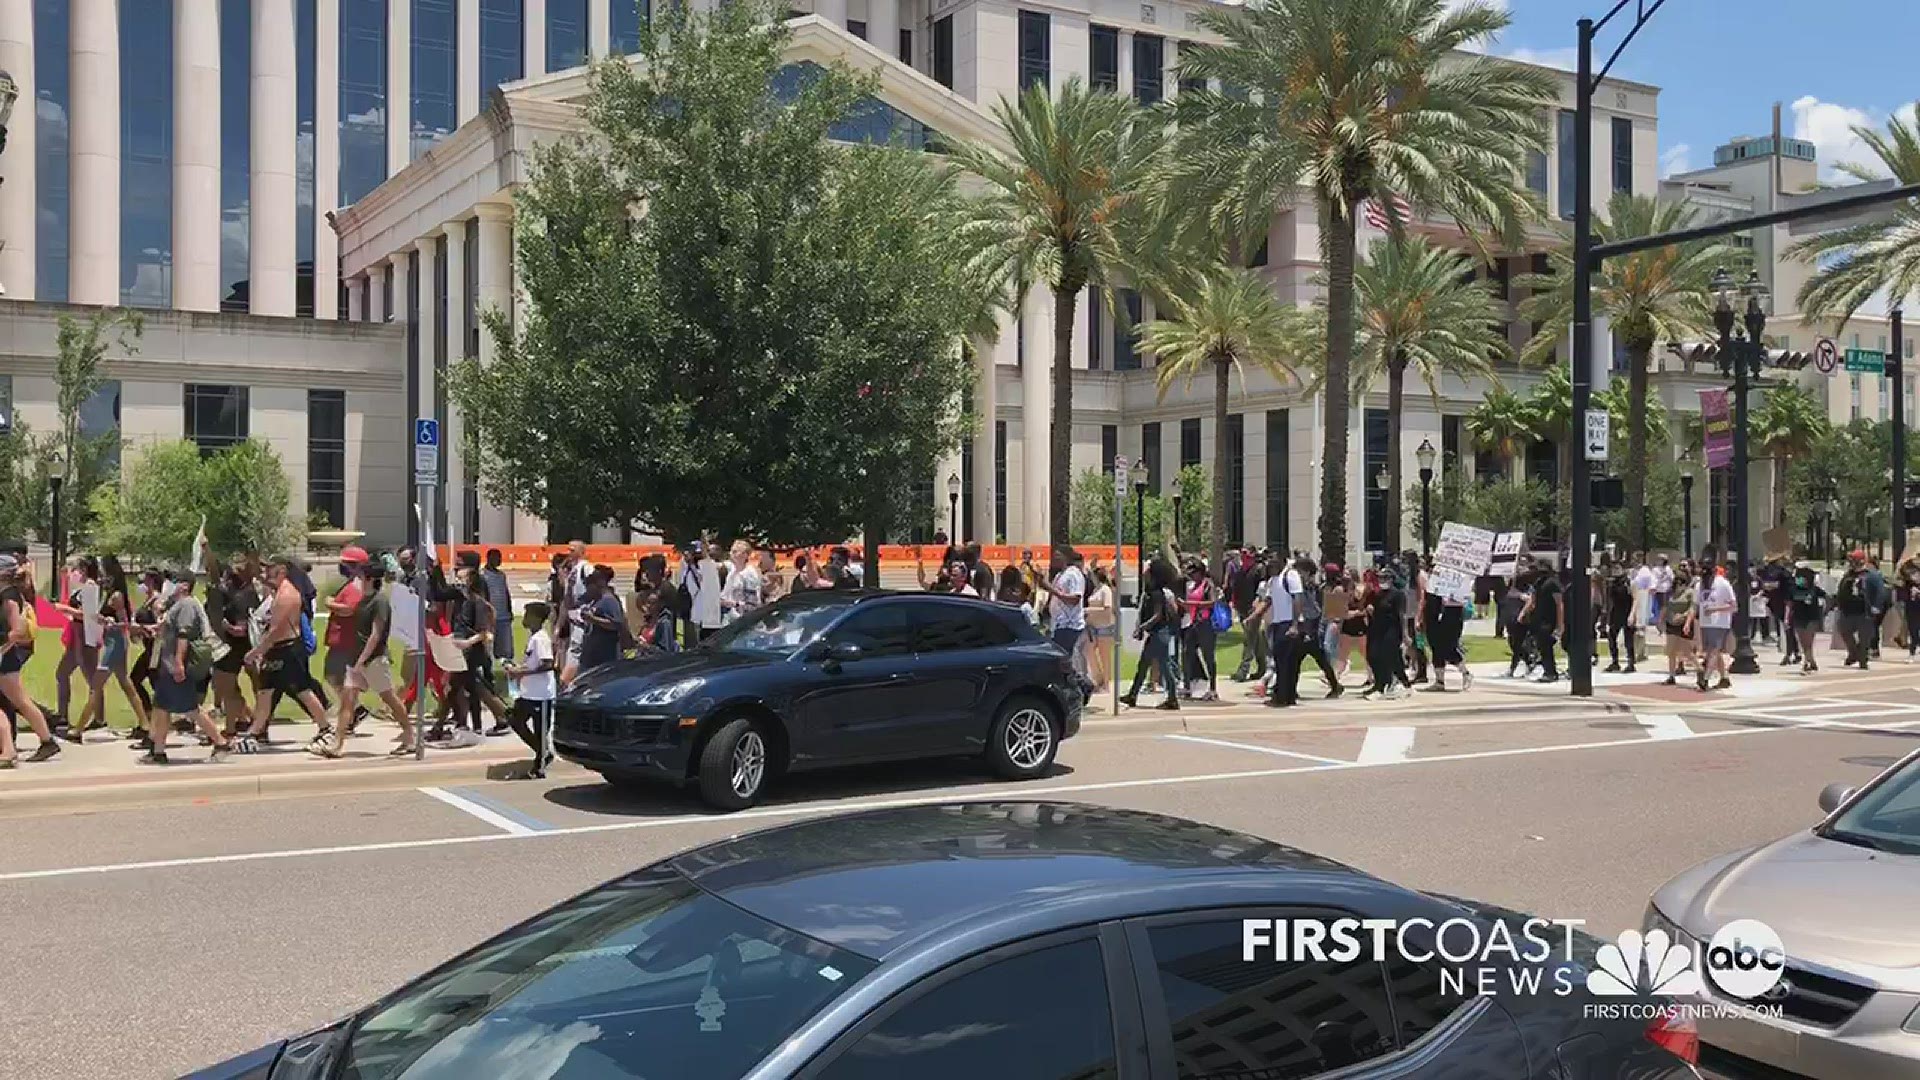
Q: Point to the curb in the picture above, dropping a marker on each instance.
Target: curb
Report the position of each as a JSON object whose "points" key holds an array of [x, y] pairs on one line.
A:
{"points": [[109, 794]]}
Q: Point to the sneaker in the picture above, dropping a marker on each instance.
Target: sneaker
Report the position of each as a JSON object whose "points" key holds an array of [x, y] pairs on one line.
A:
{"points": [[498, 730], [1724, 683], [152, 757], [1170, 705], [1466, 679], [1669, 681], [45, 751], [1612, 669]]}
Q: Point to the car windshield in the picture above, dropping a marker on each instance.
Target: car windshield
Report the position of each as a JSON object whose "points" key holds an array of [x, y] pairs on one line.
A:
{"points": [[1886, 818], [645, 977], [784, 627]]}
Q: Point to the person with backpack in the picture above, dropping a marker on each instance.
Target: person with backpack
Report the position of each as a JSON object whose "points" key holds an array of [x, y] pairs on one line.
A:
{"points": [[1159, 614], [1618, 592], [284, 652], [1853, 600], [184, 647], [1806, 610]]}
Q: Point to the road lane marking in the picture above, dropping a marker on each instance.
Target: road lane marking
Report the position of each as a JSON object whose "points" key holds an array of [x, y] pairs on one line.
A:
{"points": [[1021, 793], [465, 805], [1385, 744], [1665, 726], [1258, 749], [511, 813]]}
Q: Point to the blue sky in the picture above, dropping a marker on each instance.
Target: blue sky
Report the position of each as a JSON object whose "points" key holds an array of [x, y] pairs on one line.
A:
{"points": [[1721, 64]]}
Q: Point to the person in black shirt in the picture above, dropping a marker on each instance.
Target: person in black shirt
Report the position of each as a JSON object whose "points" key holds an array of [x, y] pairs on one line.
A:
{"points": [[1619, 614], [1806, 607], [1386, 625], [604, 620], [1243, 588], [473, 623], [1545, 620]]}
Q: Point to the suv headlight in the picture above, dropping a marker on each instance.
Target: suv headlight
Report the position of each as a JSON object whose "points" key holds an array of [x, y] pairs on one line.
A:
{"points": [[1654, 920], [669, 693]]}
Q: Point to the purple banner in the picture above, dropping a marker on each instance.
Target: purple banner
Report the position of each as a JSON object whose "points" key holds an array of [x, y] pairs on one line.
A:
{"points": [[1716, 424]]}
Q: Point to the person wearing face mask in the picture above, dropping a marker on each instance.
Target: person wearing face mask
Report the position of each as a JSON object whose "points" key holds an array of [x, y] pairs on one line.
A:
{"points": [[342, 640], [176, 683]]}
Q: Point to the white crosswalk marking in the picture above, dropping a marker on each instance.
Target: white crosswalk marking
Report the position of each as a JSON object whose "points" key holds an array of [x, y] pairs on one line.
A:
{"points": [[1665, 726], [1256, 748], [1384, 743]]}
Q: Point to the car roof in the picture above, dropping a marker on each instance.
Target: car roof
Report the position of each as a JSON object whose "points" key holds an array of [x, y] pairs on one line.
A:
{"points": [[869, 882]]}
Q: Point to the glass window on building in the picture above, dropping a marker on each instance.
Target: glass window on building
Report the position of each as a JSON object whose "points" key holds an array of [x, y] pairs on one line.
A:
{"points": [[327, 454], [1278, 429], [858, 28], [1036, 50], [1449, 443], [1149, 68], [566, 34], [363, 98], [1563, 146], [1104, 43], [146, 155], [216, 415], [470, 284], [623, 25], [1189, 442], [1000, 479], [905, 53], [50, 192], [100, 419], [1537, 174], [1150, 453], [1109, 446], [943, 52], [306, 90], [1125, 356], [435, 77], [1622, 154], [1236, 478], [236, 154], [502, 42], [1096, 340]]}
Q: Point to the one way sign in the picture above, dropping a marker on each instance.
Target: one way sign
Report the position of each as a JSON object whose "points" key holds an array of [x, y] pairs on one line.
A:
{"points": [[1597, 430]]}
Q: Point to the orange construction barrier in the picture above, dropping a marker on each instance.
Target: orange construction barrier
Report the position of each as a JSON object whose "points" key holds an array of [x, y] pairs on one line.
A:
{"points": [[628, 556]]}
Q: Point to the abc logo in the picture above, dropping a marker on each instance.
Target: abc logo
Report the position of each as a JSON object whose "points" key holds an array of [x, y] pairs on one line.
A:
{"points": [[1745, 958]]}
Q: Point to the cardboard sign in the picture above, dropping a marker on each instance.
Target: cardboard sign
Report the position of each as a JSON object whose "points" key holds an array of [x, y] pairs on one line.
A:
{"points": [[1506, 553], [1458, 560]]}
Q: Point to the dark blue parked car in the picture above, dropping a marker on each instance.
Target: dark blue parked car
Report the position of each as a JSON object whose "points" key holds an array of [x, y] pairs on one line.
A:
{"points": [[969, 941], [827, 678]]}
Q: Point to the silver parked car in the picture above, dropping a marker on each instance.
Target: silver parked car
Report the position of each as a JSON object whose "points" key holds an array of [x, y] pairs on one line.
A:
{"points": [[1844, 897]]}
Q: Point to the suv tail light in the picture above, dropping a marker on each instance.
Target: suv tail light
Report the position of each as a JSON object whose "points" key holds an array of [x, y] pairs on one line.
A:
{"points": [[1676, 1035]]}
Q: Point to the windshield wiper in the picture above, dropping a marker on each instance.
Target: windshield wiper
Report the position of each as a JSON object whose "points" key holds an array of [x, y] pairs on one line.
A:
{"points": [[1869, 842]]}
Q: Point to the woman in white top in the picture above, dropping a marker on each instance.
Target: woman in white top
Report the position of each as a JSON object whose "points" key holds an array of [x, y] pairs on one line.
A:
{"points": [[1101, 628]]}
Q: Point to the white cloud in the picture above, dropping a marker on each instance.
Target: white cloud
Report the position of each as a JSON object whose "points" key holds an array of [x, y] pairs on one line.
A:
{"points": [[1677, 158], [1829, 127]]}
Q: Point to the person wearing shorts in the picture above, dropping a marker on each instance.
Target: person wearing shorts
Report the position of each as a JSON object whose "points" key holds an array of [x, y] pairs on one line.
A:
{"points": [[281, 657], [371, 670], [1715, 606], [1676, 615], [176, 686]]}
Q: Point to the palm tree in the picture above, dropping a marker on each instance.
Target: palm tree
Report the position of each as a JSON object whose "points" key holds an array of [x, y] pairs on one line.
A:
{"points": [[1222, 321], [1859, 261], [1787, 425], [1066, 208], [1651, 296], [1503, 424], [1550, 415], [1420, 309], [1356, 101]]}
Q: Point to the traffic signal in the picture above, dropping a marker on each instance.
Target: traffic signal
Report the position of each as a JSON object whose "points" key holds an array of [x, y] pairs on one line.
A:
{"points": [[1609, 493]]}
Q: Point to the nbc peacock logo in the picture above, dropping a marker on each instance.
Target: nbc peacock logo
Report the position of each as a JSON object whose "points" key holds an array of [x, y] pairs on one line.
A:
{"points": [[1650, 963]]}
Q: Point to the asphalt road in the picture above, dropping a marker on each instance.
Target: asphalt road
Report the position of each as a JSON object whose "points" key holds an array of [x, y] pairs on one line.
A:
{"points": [[143, 943]]}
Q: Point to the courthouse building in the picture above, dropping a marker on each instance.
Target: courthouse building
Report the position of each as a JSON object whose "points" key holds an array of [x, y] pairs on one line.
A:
{"points": [[313, 201]]}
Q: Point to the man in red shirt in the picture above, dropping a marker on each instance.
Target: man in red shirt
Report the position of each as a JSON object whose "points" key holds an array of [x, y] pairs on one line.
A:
{"points": [[342, 644]]}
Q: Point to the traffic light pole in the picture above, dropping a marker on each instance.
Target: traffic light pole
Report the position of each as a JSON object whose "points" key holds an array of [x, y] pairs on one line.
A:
{"points": [[1579, 593], [1897, 386]]}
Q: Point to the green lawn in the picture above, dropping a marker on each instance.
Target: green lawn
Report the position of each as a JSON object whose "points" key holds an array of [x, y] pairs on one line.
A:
{"points": [[1232, 644]]}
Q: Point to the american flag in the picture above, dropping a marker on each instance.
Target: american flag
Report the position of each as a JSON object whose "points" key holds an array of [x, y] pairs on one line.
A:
{"points": [[1377, 215]]}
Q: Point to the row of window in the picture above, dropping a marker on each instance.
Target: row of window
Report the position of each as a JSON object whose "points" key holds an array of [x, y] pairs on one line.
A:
{"points": [[1149, 57], [1564, 132]]}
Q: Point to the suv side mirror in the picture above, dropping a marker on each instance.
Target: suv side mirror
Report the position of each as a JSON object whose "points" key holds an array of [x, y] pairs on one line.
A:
{"points": [[1833, 795], [841, 652]]}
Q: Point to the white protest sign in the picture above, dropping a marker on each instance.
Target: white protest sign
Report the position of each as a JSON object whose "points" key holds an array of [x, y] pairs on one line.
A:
{"points": [[1506, 553], [1458, 560], [406, 616]]}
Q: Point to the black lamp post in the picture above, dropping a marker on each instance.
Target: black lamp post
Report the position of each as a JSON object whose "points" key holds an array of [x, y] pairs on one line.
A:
{"points": [[1176, 513], [1138, 474], [56, 479], [953, 507], [1383, 482], [1686, 504], [1741, 357], [1425, 455]]}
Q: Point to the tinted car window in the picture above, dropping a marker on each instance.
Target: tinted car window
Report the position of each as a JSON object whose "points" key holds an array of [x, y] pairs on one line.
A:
{"points": [[781, 627], [647, 977], [1041, 1015], [950, 627], [1419, 1001], [879, 630], [1230, 1017]]}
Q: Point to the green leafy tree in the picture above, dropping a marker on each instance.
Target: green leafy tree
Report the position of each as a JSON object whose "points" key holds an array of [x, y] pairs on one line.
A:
{"points": [[1651, 297], [1195, 506], [1067, 207], [242, 492], [1223, 321], [1093, 511], [734, 324], [1786, 425], [1503, 424], [1875, 257], [1356, 102], [80, 346], [1849, 463], [1550, 415]]}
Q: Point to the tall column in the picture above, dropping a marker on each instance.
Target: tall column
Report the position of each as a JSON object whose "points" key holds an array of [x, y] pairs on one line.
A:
{"points": [[1036, 414], [326, 157], [533, 28], [494, 292], [18, 184], [883, 26], [196, 155], [466, 94], [834, 11], [377, 295], [598, 30], [528, 527], [1123, 75], [399, 85], [356, 298], [454, 492], [271, 250], [427, 375], [985, 410], [93, 125]]}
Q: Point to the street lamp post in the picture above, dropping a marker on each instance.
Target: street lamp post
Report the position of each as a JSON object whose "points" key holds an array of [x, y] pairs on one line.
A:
{"points": [[56, 479], [1896, 385], [953, 508], [1138, 474], [1742, 358], [1425, 455], [1383, 482], [1686, 505], [1176, 513]]}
